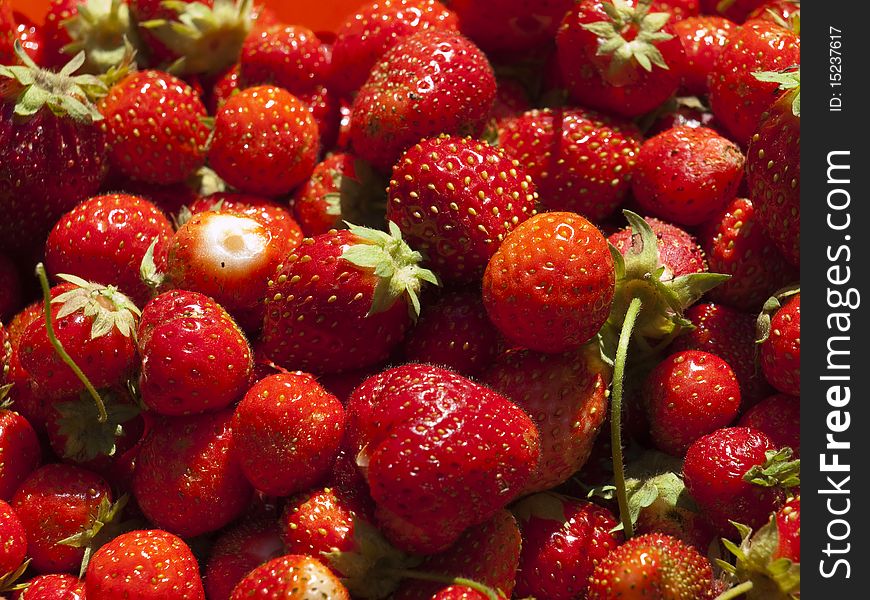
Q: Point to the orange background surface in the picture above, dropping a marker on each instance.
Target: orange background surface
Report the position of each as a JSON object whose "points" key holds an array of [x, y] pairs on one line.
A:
{"points": [[319, 15]]}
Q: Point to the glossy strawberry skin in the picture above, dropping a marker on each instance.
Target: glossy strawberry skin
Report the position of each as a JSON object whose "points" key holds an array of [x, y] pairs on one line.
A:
{"points": [[238, 550], [290, 57], [20, 452], [455, 199], [291, 577], [529, 298], [778, 417], [55, 586], [703, 39], [14, 546], [510, 26], [144, 565], [788, 525], [679, 251], [781, 352]]}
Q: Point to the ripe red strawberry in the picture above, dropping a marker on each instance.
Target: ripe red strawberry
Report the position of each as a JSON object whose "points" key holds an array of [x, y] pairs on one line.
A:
{"points": [[735, 474], [432, 82], [416, 474], [238, 550], [653, 566], [144, 565], [286, 433], [455, 199], [735, 244], [54, 503], [778, 417], [56, 586], [342, 301], [20, 452], [287, 56], [788, 525], [687, 395], [7, 33], [265, 141], [737, 97], [22, 393], [736, 10], [154, 128], [566, 397], [563, 539], [679, 251], [781, 345], [187, 479], [14, 546], [378, 26], [549, 286], [104, 240], [100, 29], [687, 174], [580, 160], [624, 62], [52, 152], [510, 27], [194, 357], [703, 40], [290, 577]]}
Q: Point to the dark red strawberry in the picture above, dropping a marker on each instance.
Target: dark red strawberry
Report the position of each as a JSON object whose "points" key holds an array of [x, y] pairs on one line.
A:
{"points": [[780, 338], [288, 56], [238, 550], [736, 10], [549, 286], [563, 540], [778, 417], [580, 160], [194, 357], [514, 26], [20, 452], [53, 587], [687, 174], [430, 83], [30, 35], [144, 565], [187, 479], [378, 26], [625, 61], [104, 240], [342, 301], [14, 546], [11, 294], [703, 40], [687, 395], [290, 577], [455, 199], [414, 470], [652, 566], [679, 251], [737, 97], [265, 141], [101, 29]]}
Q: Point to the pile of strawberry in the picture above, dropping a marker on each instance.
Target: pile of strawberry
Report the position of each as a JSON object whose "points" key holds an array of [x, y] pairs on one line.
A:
{"points": [[466, 301]]}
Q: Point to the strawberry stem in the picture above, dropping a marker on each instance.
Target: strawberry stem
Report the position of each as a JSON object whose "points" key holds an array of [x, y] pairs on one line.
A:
{"points": [[487, 591], [616, 415], [735, 592], [58, 347]]}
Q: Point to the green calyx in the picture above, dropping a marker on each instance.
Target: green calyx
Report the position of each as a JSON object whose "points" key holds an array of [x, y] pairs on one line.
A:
{"points": [[86, 436], [393, 262], [63, 93], [789, 81], [625, 49], [102, 527], [107, 308], [104, 31], [208, 39], [756, 575], [770, 307], [359, 199], [9, 582], [778, 470]]}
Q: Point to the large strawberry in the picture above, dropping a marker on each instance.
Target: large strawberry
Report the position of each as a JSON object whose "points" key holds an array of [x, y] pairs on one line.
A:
{"points": [[20, 453], [703, 39], [291, 57], [780, 339], [433, 82], [239, 549], [512, 26], [290, 577]]}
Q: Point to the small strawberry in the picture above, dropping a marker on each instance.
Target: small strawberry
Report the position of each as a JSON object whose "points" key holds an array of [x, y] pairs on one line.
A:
{"points": [[14, 547], [265, 141], [187, 480], [687, 175], [455, 199], [780, 339], [290, 577], [654, 566], [433, 82], [549, 286], [56, 586], [289, 57], [679, 251], [618, 56], [687, 395], [736, 10], [238, 550], [580, 160], [144, 565], [703, 39], [512, 26], [778, 417], [563, 540], [20, 452]]}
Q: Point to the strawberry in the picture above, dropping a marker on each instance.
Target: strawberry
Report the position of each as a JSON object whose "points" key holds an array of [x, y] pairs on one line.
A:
{"points": [[273, 214], [225, 85], [619, 57], [22, 393], [580, 160], [735, 244], [566, 397], [52, 152], [238, 550], [510, 27], [187, 480], [778, 417], [773, 169], [679, 251], [20, 452], [687, 175], [7, 33], [286, 433], [563, 539], [788, 525], [736, 474], [56, 586], [703, 40], [737, 97], [194, 357], [418, 480], [549, 286], [455, 199], [342, 301], [325, 108], [104, 240], [687, 395], [654, 566], [14, 546], [30, 35], [684, 111], [55, 503], [780, 339], [290, 577], [144, 565], [376, 27], [289, 57], [393, 109], [265, 141], [736, 10]]}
